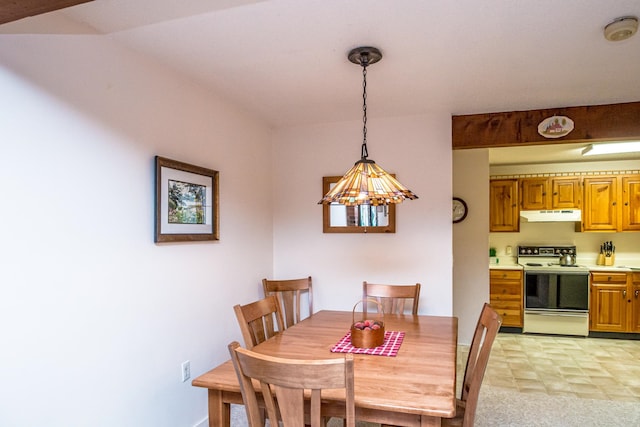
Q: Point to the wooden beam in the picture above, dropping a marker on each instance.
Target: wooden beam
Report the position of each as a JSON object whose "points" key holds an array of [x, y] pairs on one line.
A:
{"points": [[13, 10], [516, 128]]}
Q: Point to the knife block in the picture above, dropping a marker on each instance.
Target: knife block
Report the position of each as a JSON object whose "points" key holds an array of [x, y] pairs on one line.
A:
{"points": [[610, 260], [600, 260]]}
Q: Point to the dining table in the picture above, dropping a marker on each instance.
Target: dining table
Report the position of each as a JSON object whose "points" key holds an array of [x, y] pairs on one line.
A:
{"points": [[413, 386]]}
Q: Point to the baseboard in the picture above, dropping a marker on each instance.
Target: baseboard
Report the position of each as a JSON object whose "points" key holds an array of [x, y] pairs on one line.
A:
{"points": [[510, 330], [202, 423], [615, 335]]}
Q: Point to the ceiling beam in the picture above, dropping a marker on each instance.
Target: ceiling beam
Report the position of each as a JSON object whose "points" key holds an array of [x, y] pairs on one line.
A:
{"points": [[13, 10], [596, 123]]}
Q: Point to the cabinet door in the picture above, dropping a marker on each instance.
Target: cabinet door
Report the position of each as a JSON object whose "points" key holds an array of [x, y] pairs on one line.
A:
{"points": [[608, 311], [504, 214], [566, 193], [600, 209], [608, 308], [635, 303], [505, 295], [534, 193], [631, 203]]}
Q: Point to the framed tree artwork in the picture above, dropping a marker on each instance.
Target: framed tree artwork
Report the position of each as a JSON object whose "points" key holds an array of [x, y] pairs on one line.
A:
{"points": [[187, 202]]}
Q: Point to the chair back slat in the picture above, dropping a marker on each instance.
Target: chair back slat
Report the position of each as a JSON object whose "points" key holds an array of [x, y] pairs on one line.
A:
{"points": [[256, 320], [287, 380], [392, 298], [290, 292]]}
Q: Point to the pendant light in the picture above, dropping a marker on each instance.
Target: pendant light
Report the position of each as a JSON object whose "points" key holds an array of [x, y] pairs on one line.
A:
{"points": [[366, 183]]}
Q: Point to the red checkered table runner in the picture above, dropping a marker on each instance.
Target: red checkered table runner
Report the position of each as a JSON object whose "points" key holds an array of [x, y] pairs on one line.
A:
{"points": [[390, 347]]}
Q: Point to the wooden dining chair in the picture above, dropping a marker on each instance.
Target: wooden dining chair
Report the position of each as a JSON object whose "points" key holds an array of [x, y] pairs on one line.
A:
{"points": [[392, 298], [286, 380], [290, 292], [256, 320], [483, 337]]}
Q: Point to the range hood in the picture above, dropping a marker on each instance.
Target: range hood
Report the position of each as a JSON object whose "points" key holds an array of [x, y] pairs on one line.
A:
{"points": [[556, 215]]}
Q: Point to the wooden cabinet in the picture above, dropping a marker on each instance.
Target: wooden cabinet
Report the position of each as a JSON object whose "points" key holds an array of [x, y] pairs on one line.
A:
{"points": [[608, 306], [615, 301], [534, 194], [504, 214], [635, 302], [505, 295], [611, 203], [566, 193], [600, 211], [630, 203], [550, 193]]}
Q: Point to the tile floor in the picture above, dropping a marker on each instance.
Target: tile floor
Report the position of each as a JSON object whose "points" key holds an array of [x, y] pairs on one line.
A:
{"points": [[596, 368]]}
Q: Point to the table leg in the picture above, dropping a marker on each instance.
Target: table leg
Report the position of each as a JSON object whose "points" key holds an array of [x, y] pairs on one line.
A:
{"points": [[219, 412]]}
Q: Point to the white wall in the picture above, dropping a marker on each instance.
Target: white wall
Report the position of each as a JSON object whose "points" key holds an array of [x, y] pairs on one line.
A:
{"points": [[96, 318], [418, 150], [470, 239]]}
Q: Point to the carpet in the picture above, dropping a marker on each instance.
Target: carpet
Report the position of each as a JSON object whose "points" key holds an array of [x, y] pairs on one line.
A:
{"points": [[503, 408]]}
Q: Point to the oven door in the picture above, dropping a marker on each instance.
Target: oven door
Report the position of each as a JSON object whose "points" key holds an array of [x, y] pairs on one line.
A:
{"points": [[556, 291]]}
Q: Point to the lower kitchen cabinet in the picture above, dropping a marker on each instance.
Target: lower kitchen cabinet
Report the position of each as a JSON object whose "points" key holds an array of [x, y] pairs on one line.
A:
{"points": [[635, 304], [615, 301], [505, 295]]}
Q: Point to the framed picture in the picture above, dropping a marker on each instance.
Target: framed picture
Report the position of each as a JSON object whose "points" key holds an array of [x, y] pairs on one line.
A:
{"points": [[338, 218], [187, 202]]}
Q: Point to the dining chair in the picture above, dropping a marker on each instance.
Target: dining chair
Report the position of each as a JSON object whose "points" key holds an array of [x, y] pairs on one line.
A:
{"points": [[290, 292], [286, 380], [483, 337], [256, 320], [392, 298]]}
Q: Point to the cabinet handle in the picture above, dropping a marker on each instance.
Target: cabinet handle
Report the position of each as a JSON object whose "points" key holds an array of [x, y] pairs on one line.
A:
{"points": [[624, 294], [614, 203], [636, 293], [626, 203]]}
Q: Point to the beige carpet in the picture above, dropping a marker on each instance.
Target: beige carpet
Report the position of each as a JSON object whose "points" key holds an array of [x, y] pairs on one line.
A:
{"points": [[502, 408]]}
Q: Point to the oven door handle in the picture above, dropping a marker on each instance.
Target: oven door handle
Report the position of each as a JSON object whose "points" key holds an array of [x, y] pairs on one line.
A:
{"points": [[559, 313]]}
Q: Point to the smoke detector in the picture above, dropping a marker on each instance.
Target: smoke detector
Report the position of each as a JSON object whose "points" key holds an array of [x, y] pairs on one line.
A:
{"points": [[621, 28]]}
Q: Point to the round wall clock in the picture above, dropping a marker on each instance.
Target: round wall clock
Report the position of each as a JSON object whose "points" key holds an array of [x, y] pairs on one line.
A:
{"points": [[459, 209]]}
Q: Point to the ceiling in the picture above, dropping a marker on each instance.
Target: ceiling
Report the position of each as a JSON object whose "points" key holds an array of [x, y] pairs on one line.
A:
{"points": [[284, 61]]}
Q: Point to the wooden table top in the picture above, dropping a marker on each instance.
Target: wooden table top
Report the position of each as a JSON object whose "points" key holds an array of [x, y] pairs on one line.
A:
{"points": [[421, 379]]}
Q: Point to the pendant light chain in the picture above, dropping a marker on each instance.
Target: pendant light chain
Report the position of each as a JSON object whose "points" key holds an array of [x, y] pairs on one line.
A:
{"points": [[365, 62], [366, 183]]}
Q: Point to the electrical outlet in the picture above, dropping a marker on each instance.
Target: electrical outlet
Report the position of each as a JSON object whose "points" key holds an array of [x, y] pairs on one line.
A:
{"points": [[186, 370]]}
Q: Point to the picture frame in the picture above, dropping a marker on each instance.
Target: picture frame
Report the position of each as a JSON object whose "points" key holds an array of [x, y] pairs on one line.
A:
{"points": [[348, 219], [187, 202]]}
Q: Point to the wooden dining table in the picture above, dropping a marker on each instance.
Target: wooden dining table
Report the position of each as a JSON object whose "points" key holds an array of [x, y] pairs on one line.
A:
{"points": [[416, 387]]}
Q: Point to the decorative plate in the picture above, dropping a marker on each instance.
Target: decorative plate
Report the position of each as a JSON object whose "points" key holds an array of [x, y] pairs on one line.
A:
{"points": [[555, 126]]}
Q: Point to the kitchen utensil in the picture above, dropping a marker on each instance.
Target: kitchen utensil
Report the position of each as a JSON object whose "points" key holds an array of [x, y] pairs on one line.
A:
{"points": [[567, 260]]}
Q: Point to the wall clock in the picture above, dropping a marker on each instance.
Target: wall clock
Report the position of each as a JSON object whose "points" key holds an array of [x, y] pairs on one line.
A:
{"points": [[459, 209]]}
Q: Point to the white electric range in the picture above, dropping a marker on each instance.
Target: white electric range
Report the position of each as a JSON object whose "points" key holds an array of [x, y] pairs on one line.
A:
{"points": [[556, 297]]}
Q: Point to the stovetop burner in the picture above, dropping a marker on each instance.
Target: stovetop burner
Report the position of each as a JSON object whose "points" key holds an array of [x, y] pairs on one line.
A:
{"points": [[538, 258]]}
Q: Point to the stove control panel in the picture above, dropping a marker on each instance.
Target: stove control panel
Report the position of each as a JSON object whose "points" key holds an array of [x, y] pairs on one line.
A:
{"points": [[546, 251]]}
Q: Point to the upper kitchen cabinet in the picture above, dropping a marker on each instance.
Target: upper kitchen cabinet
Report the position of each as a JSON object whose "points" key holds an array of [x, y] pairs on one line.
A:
{"points": [[566, 193], [504, 214], [612, 203], [600, 204], [534, 193], [550, 193], [631, 203]]}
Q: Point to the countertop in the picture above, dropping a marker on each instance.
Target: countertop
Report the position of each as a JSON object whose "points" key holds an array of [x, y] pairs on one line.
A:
{"points": [[591, 267]]}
